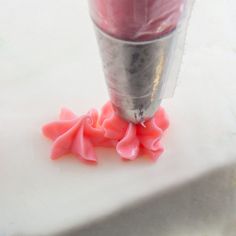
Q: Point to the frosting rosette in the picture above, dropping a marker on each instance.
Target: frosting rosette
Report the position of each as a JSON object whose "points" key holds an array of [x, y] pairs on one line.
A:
{"points": [[131, 139]]}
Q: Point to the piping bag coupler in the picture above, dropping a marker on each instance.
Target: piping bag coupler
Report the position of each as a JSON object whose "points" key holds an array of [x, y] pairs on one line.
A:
{"points": [[138, 41]]}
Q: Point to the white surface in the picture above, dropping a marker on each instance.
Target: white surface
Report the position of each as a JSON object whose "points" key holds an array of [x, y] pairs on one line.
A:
{"points": [[49, 59]]}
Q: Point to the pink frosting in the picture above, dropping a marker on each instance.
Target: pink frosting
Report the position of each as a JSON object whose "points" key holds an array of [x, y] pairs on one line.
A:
{"points": [[136, 19], [79, 135]]}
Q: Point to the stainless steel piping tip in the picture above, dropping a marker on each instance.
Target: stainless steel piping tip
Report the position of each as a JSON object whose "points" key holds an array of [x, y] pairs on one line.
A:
{"points": [[136, 73]]}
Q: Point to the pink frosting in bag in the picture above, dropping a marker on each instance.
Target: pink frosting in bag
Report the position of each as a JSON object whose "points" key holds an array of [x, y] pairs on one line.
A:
{"points": [[136, 19], [79, 135]]}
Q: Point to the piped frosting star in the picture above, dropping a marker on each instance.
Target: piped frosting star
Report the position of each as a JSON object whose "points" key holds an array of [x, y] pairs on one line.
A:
{"points": [[79, 135]]}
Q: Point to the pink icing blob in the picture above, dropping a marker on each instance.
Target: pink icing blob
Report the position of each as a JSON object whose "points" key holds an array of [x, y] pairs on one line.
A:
{"points": [[80, 135], [136, 19]]}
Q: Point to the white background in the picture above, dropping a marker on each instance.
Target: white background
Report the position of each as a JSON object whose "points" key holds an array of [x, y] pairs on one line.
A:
{"points": [[49, 59]]}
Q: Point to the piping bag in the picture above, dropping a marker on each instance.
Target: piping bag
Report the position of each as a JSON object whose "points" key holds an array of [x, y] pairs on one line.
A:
{"points": [[141, 45]]}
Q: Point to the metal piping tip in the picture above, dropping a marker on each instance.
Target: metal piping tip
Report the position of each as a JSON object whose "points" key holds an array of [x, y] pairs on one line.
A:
{"points": [[136, 73]]}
